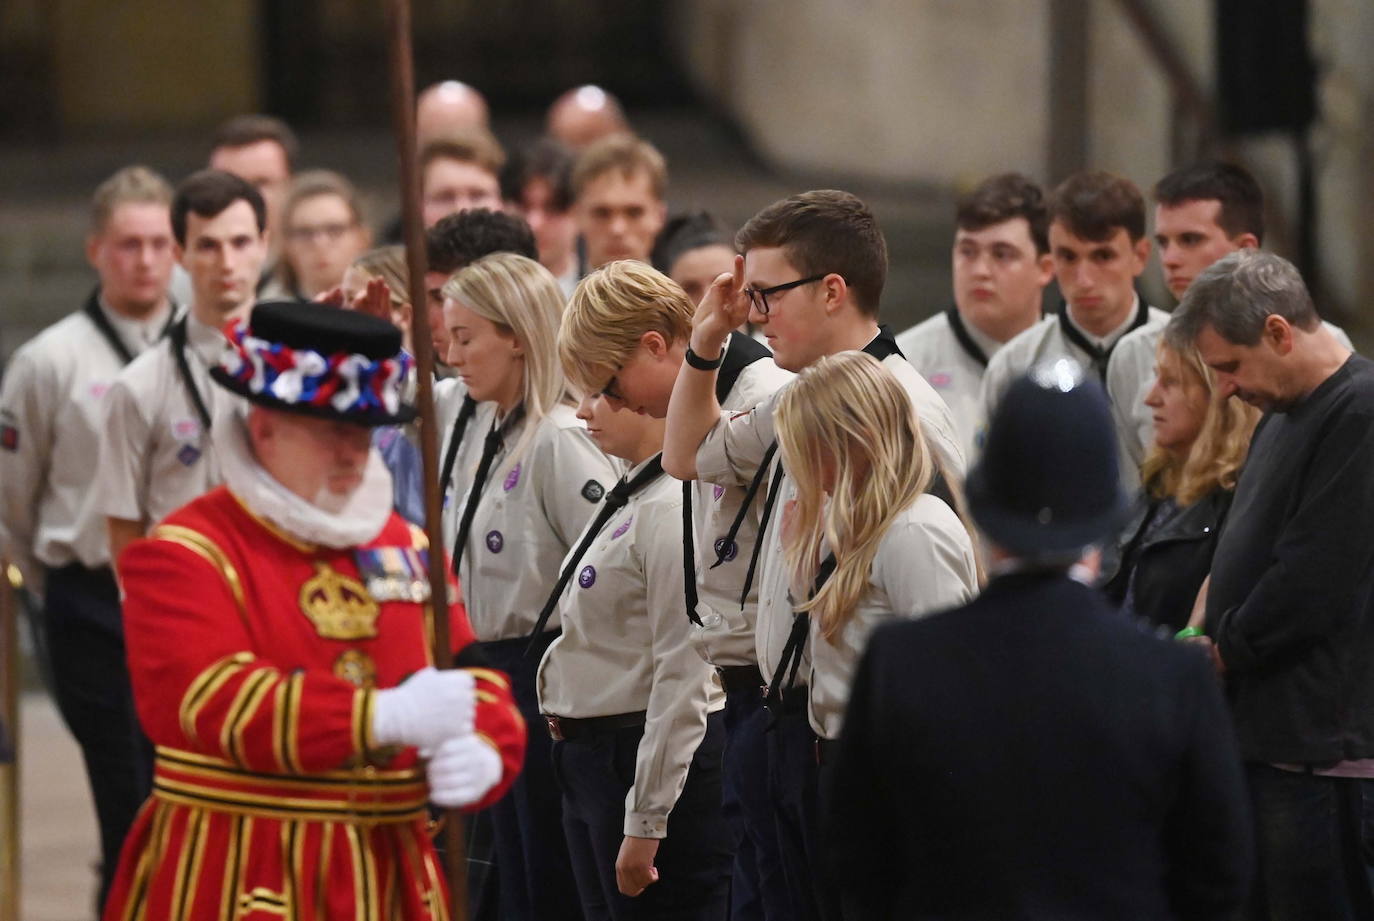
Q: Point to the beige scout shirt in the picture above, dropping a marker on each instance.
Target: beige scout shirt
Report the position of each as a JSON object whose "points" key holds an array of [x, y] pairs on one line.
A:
{"points": [[1130, 375], [732, 452], [934, 350], [726, 634], [155, 454], [625, 648], [52, 409], [925, 563], [1046, 341], [531, 512]]}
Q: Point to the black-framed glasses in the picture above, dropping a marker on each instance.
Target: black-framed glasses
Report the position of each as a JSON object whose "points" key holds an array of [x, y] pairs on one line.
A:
{"points": [[758, 297], [611, 391]]}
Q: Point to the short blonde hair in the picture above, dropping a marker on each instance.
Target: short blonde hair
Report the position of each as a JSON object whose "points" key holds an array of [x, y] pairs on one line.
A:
{"points": [[523, 298], [849, 414], [610, 312], [626, 154], [131, 185], [1214, 460]]}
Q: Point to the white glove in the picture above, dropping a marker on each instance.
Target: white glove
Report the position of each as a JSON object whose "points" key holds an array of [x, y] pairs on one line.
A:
{"points": [[425, 709], [461, 772]]}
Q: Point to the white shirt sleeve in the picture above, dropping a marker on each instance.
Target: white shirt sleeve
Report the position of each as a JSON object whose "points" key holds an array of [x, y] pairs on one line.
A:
{"points": [[26, 437]]}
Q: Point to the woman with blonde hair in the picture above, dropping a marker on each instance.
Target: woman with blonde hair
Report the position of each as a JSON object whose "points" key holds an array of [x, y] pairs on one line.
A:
{"points": [[1189, 476], [534, 481], [873, 534], [322, 223]]}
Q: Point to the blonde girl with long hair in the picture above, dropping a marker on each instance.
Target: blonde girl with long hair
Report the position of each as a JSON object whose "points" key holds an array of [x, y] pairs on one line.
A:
{"points": [[533, 480], [1201, 438], [868, 537]]}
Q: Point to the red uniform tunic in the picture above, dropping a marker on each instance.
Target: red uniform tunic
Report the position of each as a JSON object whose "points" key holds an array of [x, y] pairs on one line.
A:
{"points": [[253, 658]]}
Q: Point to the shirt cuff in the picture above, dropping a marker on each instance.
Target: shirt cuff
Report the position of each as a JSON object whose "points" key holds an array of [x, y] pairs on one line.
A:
{"points": [[646, 825]]}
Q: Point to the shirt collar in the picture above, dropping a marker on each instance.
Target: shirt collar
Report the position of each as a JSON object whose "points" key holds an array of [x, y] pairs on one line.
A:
{"points": [[206, 341], [137, 334], [1103, 342]]}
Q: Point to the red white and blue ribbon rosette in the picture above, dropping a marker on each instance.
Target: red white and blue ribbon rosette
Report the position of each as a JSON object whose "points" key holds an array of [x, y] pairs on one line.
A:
{"points": [[347, 384]]}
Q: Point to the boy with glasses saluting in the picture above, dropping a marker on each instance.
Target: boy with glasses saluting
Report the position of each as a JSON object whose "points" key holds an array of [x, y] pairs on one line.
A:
{"points": [[810, 277]]}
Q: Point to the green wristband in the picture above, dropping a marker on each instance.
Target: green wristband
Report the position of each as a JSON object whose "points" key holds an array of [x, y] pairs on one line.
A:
{"points": [[1187, 632]]}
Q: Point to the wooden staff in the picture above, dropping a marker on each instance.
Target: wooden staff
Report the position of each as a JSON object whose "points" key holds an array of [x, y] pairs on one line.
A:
{"points": [[10, 583], [402, 66]]}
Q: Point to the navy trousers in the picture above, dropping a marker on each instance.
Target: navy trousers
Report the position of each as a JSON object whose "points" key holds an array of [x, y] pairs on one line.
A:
{"points": [[758, 886], [85, 644], [693, 861], [534, 873], [794, 776]]}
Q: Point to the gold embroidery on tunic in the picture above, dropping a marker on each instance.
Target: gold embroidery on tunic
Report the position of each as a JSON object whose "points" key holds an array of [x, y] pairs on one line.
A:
{"points": [[339, 606], [357, 668]]}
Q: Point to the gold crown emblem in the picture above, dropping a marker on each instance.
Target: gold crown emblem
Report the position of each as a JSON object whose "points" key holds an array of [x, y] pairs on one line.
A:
{"points": [[339, 606]]}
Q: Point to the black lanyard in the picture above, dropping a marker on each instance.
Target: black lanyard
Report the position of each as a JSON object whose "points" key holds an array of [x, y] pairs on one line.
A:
{"points": [[615, 500], [1098, 356], [177, 343], [108, 332], [740, 352], [495, 441]]}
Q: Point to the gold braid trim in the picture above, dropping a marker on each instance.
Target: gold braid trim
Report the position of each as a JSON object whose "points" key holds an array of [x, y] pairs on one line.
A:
{"points": [[207, 550]]}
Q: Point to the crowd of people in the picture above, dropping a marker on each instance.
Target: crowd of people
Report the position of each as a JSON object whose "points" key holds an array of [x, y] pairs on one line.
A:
{"points": [[759, 610]]}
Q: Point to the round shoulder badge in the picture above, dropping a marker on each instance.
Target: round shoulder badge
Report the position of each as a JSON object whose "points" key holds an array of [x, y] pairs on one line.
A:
{"points": [[587, 577], [592, 491]]}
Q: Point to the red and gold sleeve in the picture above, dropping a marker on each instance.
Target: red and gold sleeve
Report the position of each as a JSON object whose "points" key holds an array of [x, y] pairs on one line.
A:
{"points": [[199, 686], [498, 721]]}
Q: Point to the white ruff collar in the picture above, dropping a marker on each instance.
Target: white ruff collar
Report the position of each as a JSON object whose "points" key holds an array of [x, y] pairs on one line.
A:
{"points": [[359, 522]]}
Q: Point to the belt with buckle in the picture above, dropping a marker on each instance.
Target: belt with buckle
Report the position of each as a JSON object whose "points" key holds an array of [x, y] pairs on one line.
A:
{"points": [[740, 678], [568, 729]]}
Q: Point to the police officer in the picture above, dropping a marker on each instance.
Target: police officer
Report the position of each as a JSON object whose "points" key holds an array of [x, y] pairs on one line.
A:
{"points": [[156, 447], [51, 410], [1031, 754], [536, 480]]}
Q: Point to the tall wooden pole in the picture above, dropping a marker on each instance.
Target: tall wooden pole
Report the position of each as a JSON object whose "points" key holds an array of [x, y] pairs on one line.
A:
{"points": [[10, 583], [402, 67]]}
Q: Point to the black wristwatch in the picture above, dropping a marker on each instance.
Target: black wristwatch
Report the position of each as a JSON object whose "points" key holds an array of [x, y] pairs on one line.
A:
{"points": [[705, 364]]}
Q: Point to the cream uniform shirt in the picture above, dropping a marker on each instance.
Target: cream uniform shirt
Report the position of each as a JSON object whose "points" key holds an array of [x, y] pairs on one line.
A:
{"points": [[726, 634], [155, 452], [625, 648], [52, 411], [1046, 341], [1130, 375], [956, 374], [732, 452], [925, 563], [531, 511]]}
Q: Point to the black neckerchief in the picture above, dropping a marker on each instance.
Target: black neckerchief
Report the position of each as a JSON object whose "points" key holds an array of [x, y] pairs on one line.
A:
{"points": [[495, 441], [740, 352], [614, 501], [785, 675], [881, 346], [964, 338], [1098, 357], [110, 334], [460, 427], [177, 343]]}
